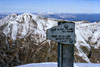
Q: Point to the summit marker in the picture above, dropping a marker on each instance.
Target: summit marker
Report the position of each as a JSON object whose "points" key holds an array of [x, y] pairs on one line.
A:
{"points": [[64, 34]]}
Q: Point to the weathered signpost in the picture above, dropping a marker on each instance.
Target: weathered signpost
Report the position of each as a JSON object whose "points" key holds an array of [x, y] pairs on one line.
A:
{"points": [[64, 34]]}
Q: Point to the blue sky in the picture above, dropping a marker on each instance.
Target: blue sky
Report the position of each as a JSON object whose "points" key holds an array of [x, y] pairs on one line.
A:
{"points": [[56, 6]]}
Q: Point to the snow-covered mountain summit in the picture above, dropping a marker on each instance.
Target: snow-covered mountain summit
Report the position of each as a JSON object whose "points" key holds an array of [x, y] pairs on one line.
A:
{"points": [[20, 26]]}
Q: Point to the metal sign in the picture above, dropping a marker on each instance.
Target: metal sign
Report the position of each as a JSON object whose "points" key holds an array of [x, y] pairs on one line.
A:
{"points": [[64, 33]]}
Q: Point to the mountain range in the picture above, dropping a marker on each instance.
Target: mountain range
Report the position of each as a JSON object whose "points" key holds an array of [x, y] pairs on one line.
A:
{"points": [[65, 16], [23, 40]]}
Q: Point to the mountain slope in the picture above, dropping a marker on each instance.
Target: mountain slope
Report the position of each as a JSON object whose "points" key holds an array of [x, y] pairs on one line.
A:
{"points": [[88, 41]]}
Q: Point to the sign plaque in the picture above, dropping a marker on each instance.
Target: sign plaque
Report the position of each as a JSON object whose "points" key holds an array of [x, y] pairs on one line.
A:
{"points": [[64, 33]]}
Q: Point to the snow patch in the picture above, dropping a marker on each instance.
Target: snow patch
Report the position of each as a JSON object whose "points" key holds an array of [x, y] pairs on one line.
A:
{"points": [[54, 64]]}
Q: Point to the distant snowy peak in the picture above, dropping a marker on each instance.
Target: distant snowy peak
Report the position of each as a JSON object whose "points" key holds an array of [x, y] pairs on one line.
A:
{"points": [[20, 26]]}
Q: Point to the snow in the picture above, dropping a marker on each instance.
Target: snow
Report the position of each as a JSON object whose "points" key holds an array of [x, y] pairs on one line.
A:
{"points": [[54, 64], [11, 26], [80, 41], [14, 30]]}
